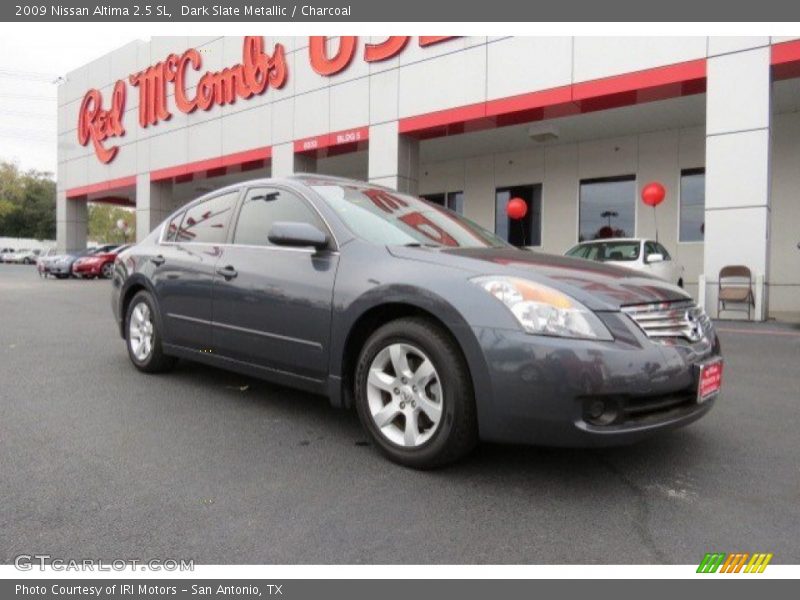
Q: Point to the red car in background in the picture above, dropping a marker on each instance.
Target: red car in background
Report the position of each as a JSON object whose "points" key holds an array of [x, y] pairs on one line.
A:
{"points": [[100, 264]]}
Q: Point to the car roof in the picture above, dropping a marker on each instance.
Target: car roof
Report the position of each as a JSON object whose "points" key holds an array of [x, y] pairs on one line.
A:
{"points": [[305, 179]]}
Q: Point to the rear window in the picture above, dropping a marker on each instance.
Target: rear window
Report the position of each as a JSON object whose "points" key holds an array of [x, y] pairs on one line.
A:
{"points": [[207, 222]]}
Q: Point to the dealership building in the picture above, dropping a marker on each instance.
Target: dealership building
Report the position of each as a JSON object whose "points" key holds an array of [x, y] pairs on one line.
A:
{"points": [[575, 127]]}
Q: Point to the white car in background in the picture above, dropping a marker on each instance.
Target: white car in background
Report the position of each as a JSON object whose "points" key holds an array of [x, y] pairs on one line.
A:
{"points": [[647, 256], [26, 256]]}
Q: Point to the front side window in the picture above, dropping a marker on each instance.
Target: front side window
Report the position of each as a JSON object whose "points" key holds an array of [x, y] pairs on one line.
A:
{"points": [[385, 217], [526, 231], [693, 205], [607, 208], [207, 222], [263, 207]]}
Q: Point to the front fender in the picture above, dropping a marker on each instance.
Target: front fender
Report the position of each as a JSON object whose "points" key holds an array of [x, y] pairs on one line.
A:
{"points": [[422, 299]]}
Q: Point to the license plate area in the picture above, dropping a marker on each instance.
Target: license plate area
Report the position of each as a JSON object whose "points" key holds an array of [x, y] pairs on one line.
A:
{"points": [[709, 382]]}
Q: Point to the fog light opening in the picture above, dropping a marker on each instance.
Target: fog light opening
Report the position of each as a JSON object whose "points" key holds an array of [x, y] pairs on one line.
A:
{"points": [[600, 411]]}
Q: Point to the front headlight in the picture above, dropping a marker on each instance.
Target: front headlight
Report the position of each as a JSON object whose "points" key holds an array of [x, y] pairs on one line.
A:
{"points": [[543, 310]]}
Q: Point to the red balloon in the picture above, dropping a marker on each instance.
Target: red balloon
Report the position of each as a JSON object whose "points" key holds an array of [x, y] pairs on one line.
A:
{"points": [[653, 194], [516, 208]]}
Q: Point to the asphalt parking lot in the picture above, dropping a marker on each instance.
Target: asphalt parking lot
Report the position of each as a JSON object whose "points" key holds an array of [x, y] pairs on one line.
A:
{"points": [[100, 461]]}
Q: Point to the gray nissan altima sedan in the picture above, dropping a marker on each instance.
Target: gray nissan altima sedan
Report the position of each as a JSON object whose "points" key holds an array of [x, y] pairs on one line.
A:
{"points": [[438, 332]]}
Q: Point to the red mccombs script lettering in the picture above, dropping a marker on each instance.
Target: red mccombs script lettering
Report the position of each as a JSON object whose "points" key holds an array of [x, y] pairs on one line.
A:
{"points": [[96, 124], [325, 64], [257, 71], [251, 77]]}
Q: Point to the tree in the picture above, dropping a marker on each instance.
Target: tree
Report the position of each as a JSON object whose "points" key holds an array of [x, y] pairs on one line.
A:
{"points": [[103, 223], [27, 203]]}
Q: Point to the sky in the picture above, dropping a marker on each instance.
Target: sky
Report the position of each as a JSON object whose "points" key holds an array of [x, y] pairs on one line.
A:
{"points": [[29, 67]]}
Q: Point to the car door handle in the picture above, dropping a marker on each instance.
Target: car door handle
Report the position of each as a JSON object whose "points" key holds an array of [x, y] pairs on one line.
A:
{"points": [[227, 272], [158, 260]]}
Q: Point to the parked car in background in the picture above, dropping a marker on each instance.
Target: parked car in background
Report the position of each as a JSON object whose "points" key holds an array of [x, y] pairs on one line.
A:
{"points": [[97, 264], [437, 331], [61, 266], [26, 256], [6, 254], [647, 256], [43, 261]]}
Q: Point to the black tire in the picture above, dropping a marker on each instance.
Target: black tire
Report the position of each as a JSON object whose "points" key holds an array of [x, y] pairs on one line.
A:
{"points": [[156, 361], [457, 432], [107, 270]]}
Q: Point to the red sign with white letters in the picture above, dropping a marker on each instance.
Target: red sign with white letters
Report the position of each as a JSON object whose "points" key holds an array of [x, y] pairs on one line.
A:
{"points": [[710, 380], [258, 71]]}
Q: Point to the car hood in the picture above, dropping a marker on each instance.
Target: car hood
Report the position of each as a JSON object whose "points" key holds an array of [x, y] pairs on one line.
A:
{"points": [[596, 285]]}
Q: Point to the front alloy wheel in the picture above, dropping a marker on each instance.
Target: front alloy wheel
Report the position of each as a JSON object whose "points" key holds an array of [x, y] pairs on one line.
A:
{"points": [[405, 395], [414, 395]]}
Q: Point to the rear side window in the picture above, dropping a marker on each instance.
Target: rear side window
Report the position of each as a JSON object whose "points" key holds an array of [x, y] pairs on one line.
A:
{"points": [[207, 222], [263, 207], [172, 228]]}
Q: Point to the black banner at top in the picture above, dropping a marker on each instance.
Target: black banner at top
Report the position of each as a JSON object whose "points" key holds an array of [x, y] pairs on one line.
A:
{"points": [[403, 10]]}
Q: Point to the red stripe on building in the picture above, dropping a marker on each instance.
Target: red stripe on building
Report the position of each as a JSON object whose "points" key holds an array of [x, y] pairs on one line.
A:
{"points": [[659, 83], [785, 59], [214, 165], [103, 186]]}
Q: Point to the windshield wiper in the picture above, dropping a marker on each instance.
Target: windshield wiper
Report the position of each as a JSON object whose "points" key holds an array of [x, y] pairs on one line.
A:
{"points": [[421, 245]]}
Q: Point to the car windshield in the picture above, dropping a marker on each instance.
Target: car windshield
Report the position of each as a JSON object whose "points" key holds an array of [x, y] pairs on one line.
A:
{"points": [[607, 251], [386, 217]]}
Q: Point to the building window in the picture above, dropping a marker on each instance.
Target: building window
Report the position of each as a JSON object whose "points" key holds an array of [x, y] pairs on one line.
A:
{"points": [[452, 200], [519, 232], [607, 208], [693, 205]]}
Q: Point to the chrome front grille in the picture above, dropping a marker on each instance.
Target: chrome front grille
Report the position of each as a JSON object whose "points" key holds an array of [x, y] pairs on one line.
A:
{"points": [[662, 320]]}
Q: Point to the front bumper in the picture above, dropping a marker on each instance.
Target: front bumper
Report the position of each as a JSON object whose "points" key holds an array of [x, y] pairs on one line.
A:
{"points": [[544, 389], [90, 269], [60, 269]]}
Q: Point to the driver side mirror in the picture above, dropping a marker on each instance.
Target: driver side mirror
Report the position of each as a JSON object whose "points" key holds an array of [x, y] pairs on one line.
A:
{"points": [[297, 235], [654, 258]]}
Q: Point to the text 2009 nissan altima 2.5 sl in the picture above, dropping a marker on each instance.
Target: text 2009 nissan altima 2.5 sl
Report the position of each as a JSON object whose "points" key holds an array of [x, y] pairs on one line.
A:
{"points": [[438, 332]]}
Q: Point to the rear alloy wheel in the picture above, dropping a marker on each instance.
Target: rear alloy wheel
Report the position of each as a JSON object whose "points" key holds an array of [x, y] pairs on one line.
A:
{"points": [[107, 270], [143, 337], [414, 394]]}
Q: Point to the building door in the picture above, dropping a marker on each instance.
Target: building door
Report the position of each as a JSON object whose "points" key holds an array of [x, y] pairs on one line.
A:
{"points": [[520, 232]]}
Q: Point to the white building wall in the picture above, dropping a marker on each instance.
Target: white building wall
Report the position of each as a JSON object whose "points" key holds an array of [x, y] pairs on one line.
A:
{"points": [[457, 73], [450, 74], [658, 156]]}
